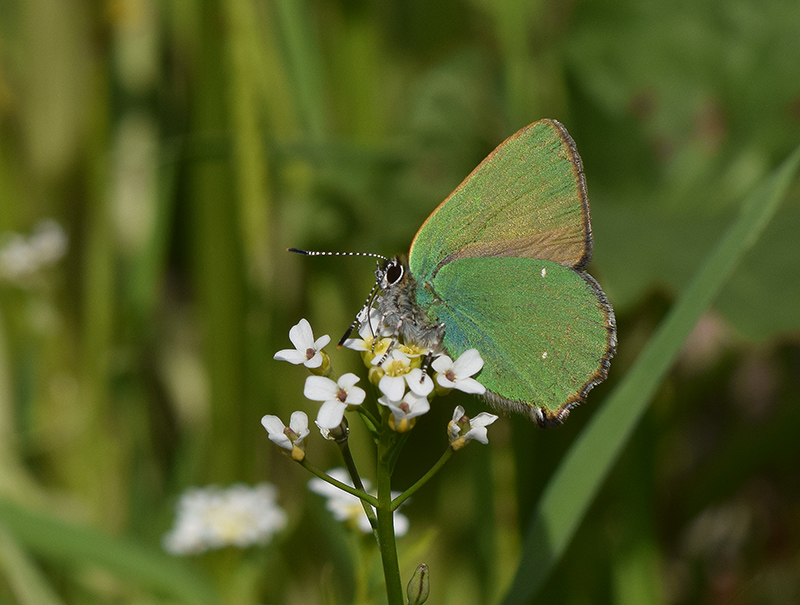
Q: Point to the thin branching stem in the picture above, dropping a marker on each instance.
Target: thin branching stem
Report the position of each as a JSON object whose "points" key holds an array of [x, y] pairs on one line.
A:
{"points": [[423, 480]]}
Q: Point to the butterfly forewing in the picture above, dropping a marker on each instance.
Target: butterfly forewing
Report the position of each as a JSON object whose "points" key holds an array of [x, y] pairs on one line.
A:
{"points": [[527, 200]]}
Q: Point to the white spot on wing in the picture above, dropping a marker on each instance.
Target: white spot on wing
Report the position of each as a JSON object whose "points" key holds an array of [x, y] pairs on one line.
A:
{"points": [[544, 355], [544, 272]]}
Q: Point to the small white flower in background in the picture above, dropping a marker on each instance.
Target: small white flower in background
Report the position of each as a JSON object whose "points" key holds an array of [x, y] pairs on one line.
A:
{"points": [[291, 438], [458, 374], [307, 350], [212, 517], [347, 508], [405, 410], [393, 382], [336, 396], [21, 257], [461, 429]]}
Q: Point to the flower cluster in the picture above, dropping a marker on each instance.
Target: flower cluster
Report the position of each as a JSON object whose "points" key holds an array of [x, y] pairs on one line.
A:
{"points": [[400, 373], [395, 368], [213, 517]]}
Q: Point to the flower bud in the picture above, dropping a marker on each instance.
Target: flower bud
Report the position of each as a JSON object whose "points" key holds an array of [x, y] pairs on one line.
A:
{"points": [[419, 586]]}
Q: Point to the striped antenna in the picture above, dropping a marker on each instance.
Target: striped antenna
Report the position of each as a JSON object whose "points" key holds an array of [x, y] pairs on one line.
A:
{"points": [[363, 312], [370, 299], [315, 253]]}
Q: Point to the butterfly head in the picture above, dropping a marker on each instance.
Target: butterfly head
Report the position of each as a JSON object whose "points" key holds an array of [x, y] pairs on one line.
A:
{"points": [[390, 273]]}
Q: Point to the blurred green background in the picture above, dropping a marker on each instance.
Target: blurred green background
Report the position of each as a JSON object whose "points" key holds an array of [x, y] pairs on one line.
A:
{"points": [[184, 145]]}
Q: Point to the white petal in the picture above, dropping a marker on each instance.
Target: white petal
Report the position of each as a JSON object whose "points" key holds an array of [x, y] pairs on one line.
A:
{"points": [[273, 424], [299, 423], [330, 414], [419, 382], [442, 363], [347, 380], [356, 344], [443, 381], [470, 362], [322, 342], [355, 396], [393, 387], [314, 362], [301, 335], [417, 405], [319, 388], [482, 419], [469, 385], [291, 355], [458, 413], [478, 434], [275, 429]]}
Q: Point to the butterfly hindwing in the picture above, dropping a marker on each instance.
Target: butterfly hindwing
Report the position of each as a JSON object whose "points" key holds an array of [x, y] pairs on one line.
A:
{"points": [[545, 331]]}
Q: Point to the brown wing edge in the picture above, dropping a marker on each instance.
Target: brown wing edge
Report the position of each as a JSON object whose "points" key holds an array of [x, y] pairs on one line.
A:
{"points": [[577, 166], [539, 416]]}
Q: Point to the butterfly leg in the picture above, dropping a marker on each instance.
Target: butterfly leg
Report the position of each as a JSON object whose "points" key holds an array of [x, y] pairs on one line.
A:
{"points": [[433, 349], [392, 343]]}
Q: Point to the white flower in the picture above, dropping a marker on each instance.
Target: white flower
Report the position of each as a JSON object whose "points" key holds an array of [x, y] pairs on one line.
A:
{"points": [[347, 507], [461, 429], [307, 350], [457, 374], [405, 410], [291, 438], [336, 396], [368, 331], [396, 368], [419, 382], [212, 517]]}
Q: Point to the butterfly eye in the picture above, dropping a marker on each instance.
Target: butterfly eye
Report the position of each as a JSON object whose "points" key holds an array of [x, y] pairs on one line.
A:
{"points": [[394, 273]]}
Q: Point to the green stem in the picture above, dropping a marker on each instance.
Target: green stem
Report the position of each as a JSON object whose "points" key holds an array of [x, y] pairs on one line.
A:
{"points": [[386, 537], [423, 480], [364, 496], [370, 420], [356, 478]]}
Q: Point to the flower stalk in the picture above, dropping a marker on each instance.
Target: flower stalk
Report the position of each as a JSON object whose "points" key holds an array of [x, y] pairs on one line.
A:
{"points": [[399, 372]]}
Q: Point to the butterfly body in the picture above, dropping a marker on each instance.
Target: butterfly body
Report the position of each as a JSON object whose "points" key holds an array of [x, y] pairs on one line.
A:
{"points": [[404, 310], [498, 267]]}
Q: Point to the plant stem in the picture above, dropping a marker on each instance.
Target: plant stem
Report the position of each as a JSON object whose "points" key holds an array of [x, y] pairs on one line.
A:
{"points": [[386, 537], [361, 494], [422, 480], [356, 478]]}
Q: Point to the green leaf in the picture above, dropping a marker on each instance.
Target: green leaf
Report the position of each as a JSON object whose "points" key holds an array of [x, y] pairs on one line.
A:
{"points": [[576, 482], [58, 540]]}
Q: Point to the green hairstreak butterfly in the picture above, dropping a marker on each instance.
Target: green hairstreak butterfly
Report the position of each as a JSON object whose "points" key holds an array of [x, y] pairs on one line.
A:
{"points": [[498, 267]]}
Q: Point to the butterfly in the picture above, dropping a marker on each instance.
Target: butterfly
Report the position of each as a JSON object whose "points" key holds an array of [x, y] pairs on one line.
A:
{"points": [[499, 267]]}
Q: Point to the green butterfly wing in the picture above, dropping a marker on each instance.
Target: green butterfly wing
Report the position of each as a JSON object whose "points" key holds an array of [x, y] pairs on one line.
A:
{"points": [[546, 332], [499, 264], [527, 199]]}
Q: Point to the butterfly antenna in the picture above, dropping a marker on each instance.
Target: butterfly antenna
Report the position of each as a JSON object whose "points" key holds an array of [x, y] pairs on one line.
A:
{"points": [[367, 303], [363, 313], [316, 253]]}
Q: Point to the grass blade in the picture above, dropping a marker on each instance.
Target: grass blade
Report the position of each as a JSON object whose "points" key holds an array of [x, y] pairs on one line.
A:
{"points": [[55, 539], [579, 477]]}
